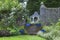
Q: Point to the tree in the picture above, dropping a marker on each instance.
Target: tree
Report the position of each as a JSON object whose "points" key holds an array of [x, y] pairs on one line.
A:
{"points": [[52, 3], [8, 9], [34, 5]]}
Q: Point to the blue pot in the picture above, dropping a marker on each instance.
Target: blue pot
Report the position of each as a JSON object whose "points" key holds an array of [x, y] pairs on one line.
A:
{"points": [[22, 31], [38, 25], [28, 25], [43, 30]]}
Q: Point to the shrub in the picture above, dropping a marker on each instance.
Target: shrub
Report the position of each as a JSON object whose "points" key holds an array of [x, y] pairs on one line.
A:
{"points": [[57, 38], [5, 33], [52, 32], [14, 31]]}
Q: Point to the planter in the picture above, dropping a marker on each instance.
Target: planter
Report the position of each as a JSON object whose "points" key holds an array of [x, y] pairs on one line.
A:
{"points": [[33, 28], [22, 31], [27, 25], [38, 25]]}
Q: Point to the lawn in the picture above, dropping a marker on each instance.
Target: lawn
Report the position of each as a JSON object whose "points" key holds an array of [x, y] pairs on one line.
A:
{"points": [[22, 37]]}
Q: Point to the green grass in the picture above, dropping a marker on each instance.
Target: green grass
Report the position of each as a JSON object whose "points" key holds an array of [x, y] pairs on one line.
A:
{"points": [[22, 37]]}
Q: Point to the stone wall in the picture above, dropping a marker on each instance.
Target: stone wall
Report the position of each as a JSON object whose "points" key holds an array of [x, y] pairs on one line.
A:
{"points": [[49, 15]]}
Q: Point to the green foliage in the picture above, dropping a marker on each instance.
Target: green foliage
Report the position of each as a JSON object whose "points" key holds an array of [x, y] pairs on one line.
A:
{"points": [[8, 11], [34, 5], [52, 32], [15, 30], [52, 3], [8, 4]]}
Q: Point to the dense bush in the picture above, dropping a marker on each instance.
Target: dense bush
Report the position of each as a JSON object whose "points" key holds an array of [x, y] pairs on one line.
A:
{"points": [[15, 30], [8, 4], [52, 32], [5, 33]]}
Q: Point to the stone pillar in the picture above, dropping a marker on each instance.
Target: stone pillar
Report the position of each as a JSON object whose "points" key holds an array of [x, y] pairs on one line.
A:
{"points": [[33, 19], [42, 8], [42, 12]]}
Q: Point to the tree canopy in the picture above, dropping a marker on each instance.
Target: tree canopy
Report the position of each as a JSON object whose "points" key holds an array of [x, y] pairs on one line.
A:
{"points": [[8, 4], [34, 5]]}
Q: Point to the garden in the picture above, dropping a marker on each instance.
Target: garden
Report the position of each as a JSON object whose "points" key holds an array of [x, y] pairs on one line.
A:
{"points": [[16, 24]]}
